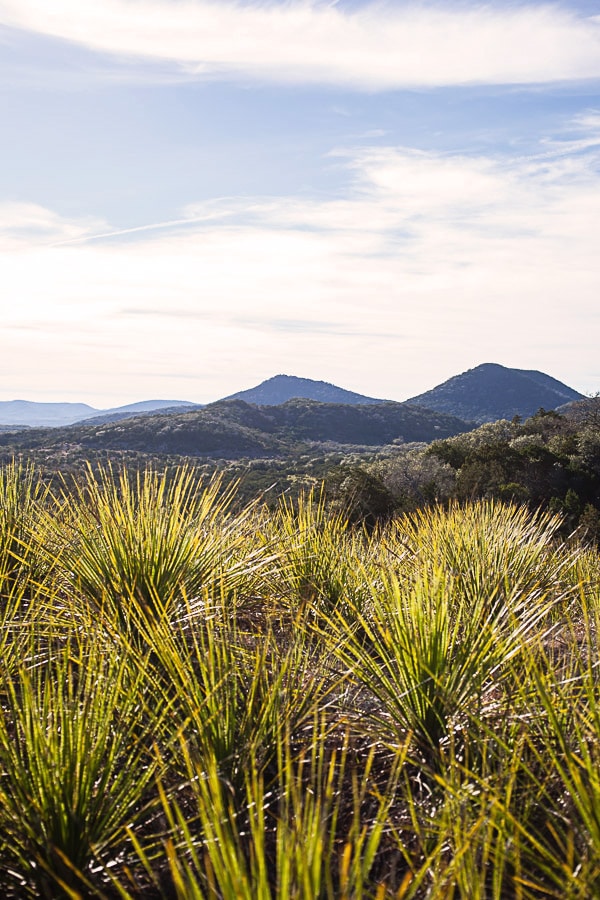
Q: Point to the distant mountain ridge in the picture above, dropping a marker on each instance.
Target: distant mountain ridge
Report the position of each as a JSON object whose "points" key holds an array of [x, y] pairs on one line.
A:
{"points": [[28, 413], [484, 394], [490, 392], [281, 388]]}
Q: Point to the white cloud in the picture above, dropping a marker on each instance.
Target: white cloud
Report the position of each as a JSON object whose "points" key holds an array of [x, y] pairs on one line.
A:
{"points": [[374, 46], [456, 260], [588, 121], [23, 225]]}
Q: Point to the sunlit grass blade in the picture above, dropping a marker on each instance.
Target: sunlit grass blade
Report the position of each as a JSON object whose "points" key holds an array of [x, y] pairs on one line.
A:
{"points": [[76, 766]]}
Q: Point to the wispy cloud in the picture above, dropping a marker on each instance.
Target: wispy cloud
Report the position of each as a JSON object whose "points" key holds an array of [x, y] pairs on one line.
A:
{"points": [[23, 225], [372, 46], [458, 259], [263, 323]]}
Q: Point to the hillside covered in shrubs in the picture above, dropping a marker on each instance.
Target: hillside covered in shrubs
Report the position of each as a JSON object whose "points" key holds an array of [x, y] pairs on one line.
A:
{"points": [[234, 429], [549, 461]]}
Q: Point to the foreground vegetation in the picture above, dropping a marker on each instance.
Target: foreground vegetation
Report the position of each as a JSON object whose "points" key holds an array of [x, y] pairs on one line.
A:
{"points": [[202, 700]]}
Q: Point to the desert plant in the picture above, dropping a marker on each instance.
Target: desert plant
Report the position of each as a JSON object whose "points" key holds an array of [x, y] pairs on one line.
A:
{"points": [[486, 546], [322, 559], [438, 633], [201, 703], [232, 693], [22, 498], [141, 545], [315, 831], [76, 768]]}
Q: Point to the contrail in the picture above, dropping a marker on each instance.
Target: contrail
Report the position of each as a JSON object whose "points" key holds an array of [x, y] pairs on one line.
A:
{"points": [[156, 226]]}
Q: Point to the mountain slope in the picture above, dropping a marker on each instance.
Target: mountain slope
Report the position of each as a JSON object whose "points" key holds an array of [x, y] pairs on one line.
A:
{"points": [[490, 392], [231, 429], [145, 408], [281, 388]]}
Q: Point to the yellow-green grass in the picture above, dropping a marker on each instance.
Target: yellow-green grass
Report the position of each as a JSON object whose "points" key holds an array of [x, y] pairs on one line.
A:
{"points": [[201, 704]]}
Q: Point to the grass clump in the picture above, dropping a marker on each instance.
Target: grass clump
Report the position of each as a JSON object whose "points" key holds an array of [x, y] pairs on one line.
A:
{"points": [[201, 703], [145, 547], [76, 766]]}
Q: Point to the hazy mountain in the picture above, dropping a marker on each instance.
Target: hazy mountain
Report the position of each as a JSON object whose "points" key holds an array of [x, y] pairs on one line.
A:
{"points": [[490, 392], [147, 406], [26, 412], [231, 429], [282, 388], [55, 415]]}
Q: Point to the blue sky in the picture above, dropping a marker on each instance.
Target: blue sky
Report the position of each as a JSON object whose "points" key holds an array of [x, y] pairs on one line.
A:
{"points": [[195, 196]]}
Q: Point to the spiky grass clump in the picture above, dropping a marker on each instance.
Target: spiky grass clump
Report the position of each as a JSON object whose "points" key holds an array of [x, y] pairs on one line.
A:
{"points": [[76, 767], [321, 558], [200, 704], [22, 498], [435, 640], [487, 548], [25, 567], [232, 694], [313, 829], [147, 546]]}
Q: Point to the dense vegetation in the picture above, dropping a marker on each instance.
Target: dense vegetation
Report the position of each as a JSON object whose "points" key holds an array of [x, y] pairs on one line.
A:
{"points": [[233, 429], [549, 461], [202, 700]]}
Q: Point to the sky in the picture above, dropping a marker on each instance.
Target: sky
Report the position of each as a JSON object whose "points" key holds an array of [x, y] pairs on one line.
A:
{"points": [[196, 195]]}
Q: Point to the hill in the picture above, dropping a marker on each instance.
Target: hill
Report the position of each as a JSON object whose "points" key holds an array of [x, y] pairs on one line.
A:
{"points": [[281, 388], [232, 429], [484, 394], [490, 392]]}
